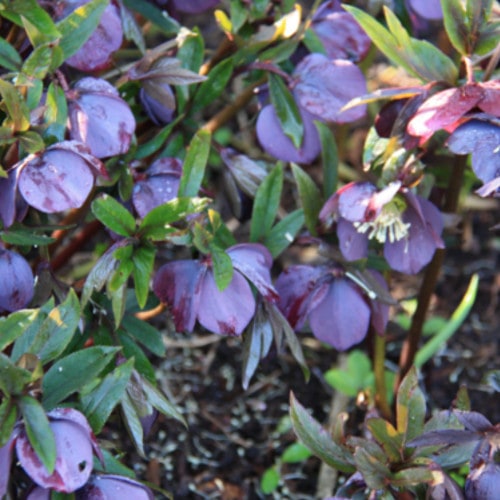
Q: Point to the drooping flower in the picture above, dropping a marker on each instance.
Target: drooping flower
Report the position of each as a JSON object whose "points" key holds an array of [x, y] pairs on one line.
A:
{"points": [[189, 289], [408, 226], [194, 6], [75, 446], [111, 487], [17, 281], [336, 308], [99, 117]]}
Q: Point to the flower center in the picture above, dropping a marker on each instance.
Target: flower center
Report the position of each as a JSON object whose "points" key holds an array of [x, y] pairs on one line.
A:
{"points": [[387, 225]]}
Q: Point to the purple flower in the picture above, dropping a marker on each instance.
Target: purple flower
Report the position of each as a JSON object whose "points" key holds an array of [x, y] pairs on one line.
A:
{"points": [[188, 288], [408, 226], [75, 446], [99, 117], [194, 6], [17, 281], [160, 111], [159, 185], [111, 487], [338, 312]]}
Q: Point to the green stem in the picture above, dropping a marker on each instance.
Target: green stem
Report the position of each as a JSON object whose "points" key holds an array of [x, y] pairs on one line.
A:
{"points": [[379, 372]]}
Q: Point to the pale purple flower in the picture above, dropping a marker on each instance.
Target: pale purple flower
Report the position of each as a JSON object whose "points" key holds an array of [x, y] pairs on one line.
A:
{"points": [[194, 6], [189, 289], [111, 487], [409, 227], [338, 312], [17, 281]]}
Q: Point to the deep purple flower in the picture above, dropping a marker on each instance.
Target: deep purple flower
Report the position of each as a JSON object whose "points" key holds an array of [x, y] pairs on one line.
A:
{"points": [[188, 288], [75, 446], [194, 6], [273, 140], [12, 205], [338, 312], [340, 33], [17, 281], [111, 487], [160, 111], [95, 54], [407, 225], [427, 9], [58, 178], [159, 185], [99, 117]]}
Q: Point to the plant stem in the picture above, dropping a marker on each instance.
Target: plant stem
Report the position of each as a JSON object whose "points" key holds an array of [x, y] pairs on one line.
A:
{"points": [[379, 372], [410, 346]]}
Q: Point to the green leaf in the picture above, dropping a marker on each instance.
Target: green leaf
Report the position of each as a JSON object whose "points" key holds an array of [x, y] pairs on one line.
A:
{"points": [[266, 204], [282, 234], [17, 234], [286, 109], [214, 85], [122, 271], [317, 439], [144, 333], [133, 423], [14, 325], [38, 430], [270, 480], [71, 373], [412, 476], [388, 437], [329, 159], [238, 13], [9, 57], [56, 111], [113, 215], [16, 107], [31, 142], [38, 63], [118, 303], [8, 418], [310, 197], [295, 453], [132, 351], [374, 472], [13, 379], [143, 259], [98, 402], [410, 407], [159, 17], [222, 267], [77, 27], [36, 21], [194, 165]]}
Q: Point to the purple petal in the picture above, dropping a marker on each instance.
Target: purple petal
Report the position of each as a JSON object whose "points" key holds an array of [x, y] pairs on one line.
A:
{"points": [[6, 452], [73, 462], [55, 181], [254, 261], [354, 200], [490, 188], [154, 191], [226, 312], [410, 254], [111, 487], [274, 141], [341, 35], [96, 52], [428, 9], [341, 319], [490, 103], [17, 281], [380, 311], [352, 243], [178, 284], [295, 286], [158, 111], [482, 139], [473, 420], [482, 483], [194, 6], [39, 493], [8, 192], [323, 87]]}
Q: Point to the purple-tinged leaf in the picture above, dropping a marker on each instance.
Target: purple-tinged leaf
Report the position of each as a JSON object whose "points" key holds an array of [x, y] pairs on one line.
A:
{"points": [[55, 180], [473, 420], [226, 312], [6, 453], [410, 407], [99, 118], [17, 281], [178, 285], [341, 35], [274, 141], [108, 486], [342, 317], [323, 87], [444, 437], [254, 261]]}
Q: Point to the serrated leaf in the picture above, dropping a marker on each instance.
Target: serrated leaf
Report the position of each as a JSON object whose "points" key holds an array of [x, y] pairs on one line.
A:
{"points": [[310, 197], [286, 109], [38, 430], [266, 204], [113, 215], [410, 407], [317, 439], [71, 373], [282, 234], [195, 163]]}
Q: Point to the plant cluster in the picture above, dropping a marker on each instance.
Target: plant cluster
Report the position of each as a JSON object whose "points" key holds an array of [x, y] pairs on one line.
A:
{"points": [[170, 166]]}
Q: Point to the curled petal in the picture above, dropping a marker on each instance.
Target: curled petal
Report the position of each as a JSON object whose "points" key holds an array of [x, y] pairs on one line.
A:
{"points": [[178, 284], [226, 312], [352, 243], [341, 319], [354, 200], [109, 486], [490, 103]]}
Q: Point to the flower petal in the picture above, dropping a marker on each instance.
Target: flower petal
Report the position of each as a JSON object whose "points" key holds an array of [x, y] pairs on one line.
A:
{"points": [[352, 243], [6, 452], [178, 284], [110, 486], [355, 199], [226, 312], [341, 319], [17, 281]]}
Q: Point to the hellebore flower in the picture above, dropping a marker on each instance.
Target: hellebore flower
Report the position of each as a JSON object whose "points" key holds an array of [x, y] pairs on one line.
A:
{"points": [[17, 281], [58, 178], [95, 54], [12, 205], [99, 117], [194, 6], [162, 111], [111, 487], [159, 185], [338, 312], [273, 140], [407, 225], [445, 109], [188, 288], [340, 33], [75, 445], [482, 139]]}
